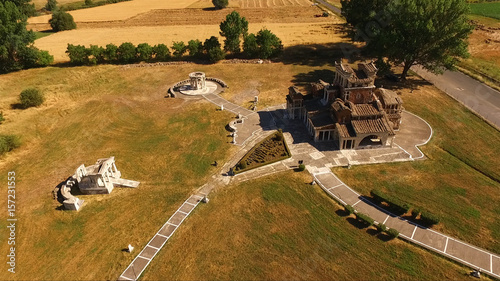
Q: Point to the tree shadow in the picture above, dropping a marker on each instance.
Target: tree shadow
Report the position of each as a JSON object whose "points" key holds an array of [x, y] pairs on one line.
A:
{"points": [[357, 223], [342, 213], [17, 105], [320, 54], [313, 76]]}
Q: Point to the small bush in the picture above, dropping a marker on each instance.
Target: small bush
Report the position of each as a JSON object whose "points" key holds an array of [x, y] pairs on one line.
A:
{"points": [[415, 212], [1, 118], [395, 205], [381, 227], [428, 218], [31, 97], [302, 167], [220, 4], [393, 233], [250, 46], [61, 21], [89, 3], [8, 143], [365, 219], [349, 209]]}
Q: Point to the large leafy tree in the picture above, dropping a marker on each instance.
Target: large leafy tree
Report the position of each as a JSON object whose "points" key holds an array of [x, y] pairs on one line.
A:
{"points": [[220, 4], [16, 43], [269, 44], [432, 33], [233, 28]]}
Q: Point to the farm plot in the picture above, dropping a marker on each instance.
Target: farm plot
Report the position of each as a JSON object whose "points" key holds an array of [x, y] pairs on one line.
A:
{"points": [[272, 3], [290, 34], [118, 11]]}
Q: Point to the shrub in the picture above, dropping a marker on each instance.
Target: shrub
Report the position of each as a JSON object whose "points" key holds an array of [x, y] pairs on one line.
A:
{"points": [[51, 5], [1, 118], [161, 52], [242, 165], [381, 227], [44, 59], [111, 53], [393, 233], [77, 54], [8, 143], [179, 48], [220, 4], [31, 97], [415, 212], [302, 167], [215, 55], [195, 48], [364, 219], [89, 3], [62, 21], [349, 209], [33, 57], [395, 205], [126, 53], [428, 218]]}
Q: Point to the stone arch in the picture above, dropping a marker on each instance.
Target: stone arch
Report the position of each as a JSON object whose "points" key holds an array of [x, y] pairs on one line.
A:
{"points": [[371, 140]]}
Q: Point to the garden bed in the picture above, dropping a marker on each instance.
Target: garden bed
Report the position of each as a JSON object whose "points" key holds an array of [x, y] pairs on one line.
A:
{"points": [[270, 150]]}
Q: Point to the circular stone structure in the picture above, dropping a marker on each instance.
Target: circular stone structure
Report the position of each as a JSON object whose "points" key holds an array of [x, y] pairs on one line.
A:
{"points": [[198, 84], [197, 80]]}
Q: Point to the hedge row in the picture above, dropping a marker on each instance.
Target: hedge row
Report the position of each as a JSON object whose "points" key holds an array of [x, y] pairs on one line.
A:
{"points": [[399, 207], [395, 205], [365, 219]]}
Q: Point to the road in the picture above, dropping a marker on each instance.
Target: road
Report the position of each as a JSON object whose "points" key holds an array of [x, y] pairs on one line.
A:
{"points": [[330, 6], [478, 97]]}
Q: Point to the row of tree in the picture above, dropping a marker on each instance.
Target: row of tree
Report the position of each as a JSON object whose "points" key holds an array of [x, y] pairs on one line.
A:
{"points": [[263, 45], [16, 42]]}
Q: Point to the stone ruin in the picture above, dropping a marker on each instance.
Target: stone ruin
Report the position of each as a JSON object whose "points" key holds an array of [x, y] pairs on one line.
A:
{"points": [[99, 178], [197, 80], [197, 85]]}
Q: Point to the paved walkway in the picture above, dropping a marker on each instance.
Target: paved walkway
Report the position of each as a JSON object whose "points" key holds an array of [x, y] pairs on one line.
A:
{"points": [[457, 250], [319, 159]]}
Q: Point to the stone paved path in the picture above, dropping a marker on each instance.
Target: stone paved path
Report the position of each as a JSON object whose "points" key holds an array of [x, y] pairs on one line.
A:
{"points": [[319, 159], [457, 250], [139, 264]]}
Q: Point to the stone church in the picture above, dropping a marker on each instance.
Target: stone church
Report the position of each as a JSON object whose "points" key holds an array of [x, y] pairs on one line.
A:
{"points": [[351, 112]]}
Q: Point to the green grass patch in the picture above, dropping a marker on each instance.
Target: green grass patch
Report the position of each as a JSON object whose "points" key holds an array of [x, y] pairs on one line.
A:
{"points": [[491, 9], [279, 228], [41, 34]]}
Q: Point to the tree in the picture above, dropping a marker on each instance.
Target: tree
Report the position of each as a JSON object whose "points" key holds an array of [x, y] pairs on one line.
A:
{"points": [[77, 54], [126, 53], [31, 97], [220, 4], [95, 55], [61, 21], [269, 44], [161, 52], [51, 5], [111, 53], [144, 52], [213, 49], [24, 7], [250, 46], [179, 49], [16, 43], [431, 33], [195, 48], [233, 28]]}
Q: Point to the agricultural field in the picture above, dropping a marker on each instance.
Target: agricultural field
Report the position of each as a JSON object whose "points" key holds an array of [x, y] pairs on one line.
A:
{"points": [[490, 9], [281, 228]]}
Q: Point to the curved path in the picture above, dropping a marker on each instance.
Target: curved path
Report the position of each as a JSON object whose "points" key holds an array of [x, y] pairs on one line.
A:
{"points": [[319, 160]]}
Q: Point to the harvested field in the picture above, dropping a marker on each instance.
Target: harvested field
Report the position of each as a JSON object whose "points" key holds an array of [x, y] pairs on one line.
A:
{"points": [[291, 34], [272, 3], [41, 3], [118, 11]]}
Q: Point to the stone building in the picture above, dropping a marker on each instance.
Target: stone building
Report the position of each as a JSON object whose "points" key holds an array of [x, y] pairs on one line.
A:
{"points": [[351, 112]]}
